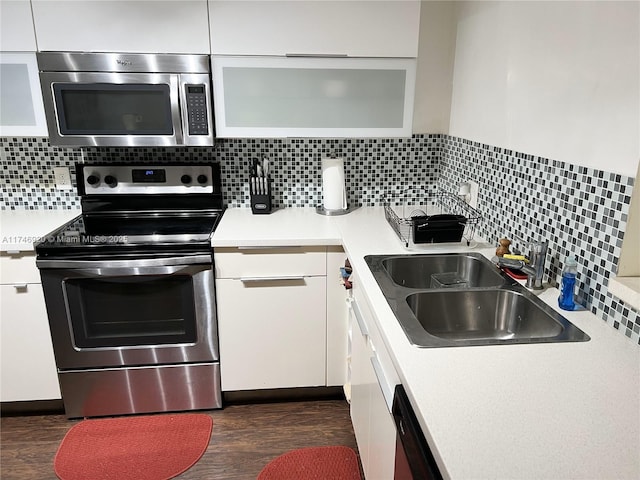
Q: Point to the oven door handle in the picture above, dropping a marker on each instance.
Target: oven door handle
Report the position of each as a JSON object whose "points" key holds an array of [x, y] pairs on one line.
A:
{"points": [[167, 263]]}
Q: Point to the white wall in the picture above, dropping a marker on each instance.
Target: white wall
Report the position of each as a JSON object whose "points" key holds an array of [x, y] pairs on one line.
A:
{"points": [[555, 79], [434, 73]]}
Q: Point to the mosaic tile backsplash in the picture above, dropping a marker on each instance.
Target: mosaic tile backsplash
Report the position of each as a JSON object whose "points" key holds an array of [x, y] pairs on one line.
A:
{"points": [[371, 167], [579, 210]]}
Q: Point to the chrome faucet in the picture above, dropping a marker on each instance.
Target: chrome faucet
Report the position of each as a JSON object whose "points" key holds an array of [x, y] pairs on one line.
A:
{"points": [[535, 269]]}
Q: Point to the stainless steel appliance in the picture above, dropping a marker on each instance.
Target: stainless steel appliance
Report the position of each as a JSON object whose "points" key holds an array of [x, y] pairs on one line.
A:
{"points": [[414, 460], [114, 99], [129, 290]]}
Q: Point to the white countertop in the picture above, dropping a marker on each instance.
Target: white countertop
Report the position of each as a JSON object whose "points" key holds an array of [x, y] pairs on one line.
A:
{"points": [[553, 411], [282, 227], [19, 229]]}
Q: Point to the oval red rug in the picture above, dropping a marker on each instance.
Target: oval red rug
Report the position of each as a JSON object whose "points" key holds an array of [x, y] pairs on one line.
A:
{"points": [[152, 447], [313, 463]]}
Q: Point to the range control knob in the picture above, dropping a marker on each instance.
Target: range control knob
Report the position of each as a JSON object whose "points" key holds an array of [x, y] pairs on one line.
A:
{"points": [[186, 179], [93, 179], [202, 179], [111, 181]]}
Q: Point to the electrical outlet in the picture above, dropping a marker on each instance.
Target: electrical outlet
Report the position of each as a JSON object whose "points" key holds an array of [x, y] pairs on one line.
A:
{"points": [[62, 178], [473, 194]]}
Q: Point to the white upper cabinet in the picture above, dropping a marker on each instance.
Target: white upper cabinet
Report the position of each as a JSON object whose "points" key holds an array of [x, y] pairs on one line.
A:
{"points": [[352, 28], [153, 26], [16, 26], [279, 97], [21, 106]]}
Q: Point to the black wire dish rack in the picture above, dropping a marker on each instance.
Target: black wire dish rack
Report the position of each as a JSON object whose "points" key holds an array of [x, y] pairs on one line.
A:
{"points": [[421, 216]]}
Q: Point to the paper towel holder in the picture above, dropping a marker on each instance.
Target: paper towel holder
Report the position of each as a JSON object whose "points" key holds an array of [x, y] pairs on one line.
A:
{"points": [[321, 209], [343, 211]]}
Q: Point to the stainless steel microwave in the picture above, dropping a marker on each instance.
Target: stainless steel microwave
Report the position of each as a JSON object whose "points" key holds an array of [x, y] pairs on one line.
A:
{"points": [[130, 100]]}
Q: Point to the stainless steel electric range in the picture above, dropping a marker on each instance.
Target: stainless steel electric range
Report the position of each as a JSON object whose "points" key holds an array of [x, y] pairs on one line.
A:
{"points": [[129, 290]]}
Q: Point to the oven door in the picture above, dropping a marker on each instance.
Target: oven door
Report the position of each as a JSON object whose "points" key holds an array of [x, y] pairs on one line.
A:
{"points": [[131, 312]]}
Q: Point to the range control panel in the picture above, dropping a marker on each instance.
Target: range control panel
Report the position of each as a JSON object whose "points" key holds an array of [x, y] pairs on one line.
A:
{"points": [[147, 179]]}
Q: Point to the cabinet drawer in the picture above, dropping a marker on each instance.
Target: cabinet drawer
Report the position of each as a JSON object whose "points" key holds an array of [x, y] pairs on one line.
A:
{"points": [[271, 262], [18, 269], [387, 376]]}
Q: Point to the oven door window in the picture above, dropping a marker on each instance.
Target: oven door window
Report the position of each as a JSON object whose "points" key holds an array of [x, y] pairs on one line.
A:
{"points": [[113, 109], [131, 310]]}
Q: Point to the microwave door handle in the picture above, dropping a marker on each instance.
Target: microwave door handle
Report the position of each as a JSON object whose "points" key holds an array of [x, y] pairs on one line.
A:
{"points": [[178, 108]]}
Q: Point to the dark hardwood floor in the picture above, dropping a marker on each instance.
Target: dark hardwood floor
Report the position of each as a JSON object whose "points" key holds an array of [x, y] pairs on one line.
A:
{"points": [[244, 439]]}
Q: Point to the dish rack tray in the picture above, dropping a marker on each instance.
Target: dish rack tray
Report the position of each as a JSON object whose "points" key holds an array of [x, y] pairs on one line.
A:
{"points": [[406, 210]]}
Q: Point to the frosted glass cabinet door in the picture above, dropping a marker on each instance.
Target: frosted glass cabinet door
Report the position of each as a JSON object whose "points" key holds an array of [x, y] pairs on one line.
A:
{"points": [[313, 97], [21, 107]]}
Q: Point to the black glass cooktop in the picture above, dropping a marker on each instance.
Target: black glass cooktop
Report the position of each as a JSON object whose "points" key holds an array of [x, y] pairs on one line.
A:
{"points": [[116, 232]]}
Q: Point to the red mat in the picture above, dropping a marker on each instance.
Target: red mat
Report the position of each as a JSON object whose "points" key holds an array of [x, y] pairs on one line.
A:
{"points": [[153, 447], [313, 463]]}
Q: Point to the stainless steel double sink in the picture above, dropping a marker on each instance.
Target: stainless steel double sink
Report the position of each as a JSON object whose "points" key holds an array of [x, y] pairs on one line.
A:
{"points": [[462, 299]]}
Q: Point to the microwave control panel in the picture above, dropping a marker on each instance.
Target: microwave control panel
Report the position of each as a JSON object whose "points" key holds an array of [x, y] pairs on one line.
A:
{"points": [[197, 109]]}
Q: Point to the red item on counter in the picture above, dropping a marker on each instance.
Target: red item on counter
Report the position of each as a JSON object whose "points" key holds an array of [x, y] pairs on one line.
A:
{"points": [[515, 274]]}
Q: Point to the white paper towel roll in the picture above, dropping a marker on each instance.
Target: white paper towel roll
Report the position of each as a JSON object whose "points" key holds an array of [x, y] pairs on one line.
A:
{"points": [[334, 195]]}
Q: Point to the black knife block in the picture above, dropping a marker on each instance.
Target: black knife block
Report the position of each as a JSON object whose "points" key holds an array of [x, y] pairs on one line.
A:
{"points": [[260, 195]]}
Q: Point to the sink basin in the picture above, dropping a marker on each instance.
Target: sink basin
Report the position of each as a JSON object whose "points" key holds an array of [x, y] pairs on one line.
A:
{"points": [[484, 317], [483, 314], [439, 271], [453, 300]]}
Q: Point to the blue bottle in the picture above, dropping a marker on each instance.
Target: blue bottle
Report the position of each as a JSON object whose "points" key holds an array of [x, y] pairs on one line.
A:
{"points": [[567, 288]]}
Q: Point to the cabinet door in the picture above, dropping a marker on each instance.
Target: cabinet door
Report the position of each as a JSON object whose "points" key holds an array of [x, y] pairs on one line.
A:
{"points": [[16, 26], [354, 28], [337, 319], [313, 97], [382, 429], [156, 26], [21, 107], [371, 395], [28, 365], [272, 332], [361, 383]]}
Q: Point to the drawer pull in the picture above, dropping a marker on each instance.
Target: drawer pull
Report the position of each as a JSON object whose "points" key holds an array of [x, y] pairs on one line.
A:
{"points": [[272, 279], [361, 322], [385, 387], [20, 287], [248, 248]]}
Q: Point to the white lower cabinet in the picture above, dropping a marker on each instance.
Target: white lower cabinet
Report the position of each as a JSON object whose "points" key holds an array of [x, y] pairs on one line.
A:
{"points": [[382, 437], [337, 319], [273, 335], [362, 378], [272, 319], [372, 382], [28, 368]]}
